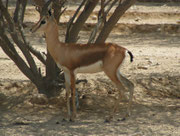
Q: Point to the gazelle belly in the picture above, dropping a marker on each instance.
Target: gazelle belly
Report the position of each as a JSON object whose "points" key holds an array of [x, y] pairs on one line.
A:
{"points": [[93, 68]]}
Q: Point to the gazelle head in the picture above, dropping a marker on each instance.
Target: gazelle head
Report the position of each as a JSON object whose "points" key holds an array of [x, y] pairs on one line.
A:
{"points": [[46, 14], [42, 24]]}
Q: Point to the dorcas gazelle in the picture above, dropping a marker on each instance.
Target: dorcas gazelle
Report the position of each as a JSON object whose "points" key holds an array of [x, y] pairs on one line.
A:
{"points": [[85, 58]]}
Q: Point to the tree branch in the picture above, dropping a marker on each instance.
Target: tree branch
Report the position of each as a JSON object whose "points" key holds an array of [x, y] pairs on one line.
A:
{"points": [[5, 44], [57, 7], [16, 39], [101, 18], [110, 7], [10, 50], [69, 25], [77, 26], [7, 2], [95, 30], [30, 48], [119, 11]]}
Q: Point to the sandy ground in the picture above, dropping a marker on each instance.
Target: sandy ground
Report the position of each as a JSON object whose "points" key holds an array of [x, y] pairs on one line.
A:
{"points": [[155, 73]]}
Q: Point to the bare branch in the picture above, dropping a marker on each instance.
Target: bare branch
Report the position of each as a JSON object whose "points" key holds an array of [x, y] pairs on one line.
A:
{"points": [[98, 24], [17, 59], [110, 7], [101, 12], [119, 11], [69, 25], [8, 47], [57, 7], [105, 4], [95, 30], [17, 40], [16, 12], [5, 38], [101, 18], [7, 1], [2, 33], [77, 26], [62, 11], [30, 48]]}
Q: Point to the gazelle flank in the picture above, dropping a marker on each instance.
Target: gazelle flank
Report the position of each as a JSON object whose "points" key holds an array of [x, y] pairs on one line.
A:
{"points": [[85, 58]]}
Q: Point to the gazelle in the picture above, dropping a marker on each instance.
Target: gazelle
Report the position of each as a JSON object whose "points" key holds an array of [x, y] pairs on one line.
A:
{"points": [[85, 58]]}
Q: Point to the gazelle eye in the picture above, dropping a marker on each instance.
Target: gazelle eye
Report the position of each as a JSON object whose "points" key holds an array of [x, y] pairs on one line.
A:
{"points": [[43, 22]]}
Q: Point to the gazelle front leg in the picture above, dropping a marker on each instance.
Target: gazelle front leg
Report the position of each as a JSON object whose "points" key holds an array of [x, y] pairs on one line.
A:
{"points": [[68, 89], [73, 95]]}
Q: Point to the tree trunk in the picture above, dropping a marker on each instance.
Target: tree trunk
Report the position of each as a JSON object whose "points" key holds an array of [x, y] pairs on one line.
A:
{"points": [[51, 68], [119, 11]]}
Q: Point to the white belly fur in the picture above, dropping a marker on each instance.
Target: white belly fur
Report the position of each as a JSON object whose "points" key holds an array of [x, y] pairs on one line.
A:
{"points": [[93, 68]]}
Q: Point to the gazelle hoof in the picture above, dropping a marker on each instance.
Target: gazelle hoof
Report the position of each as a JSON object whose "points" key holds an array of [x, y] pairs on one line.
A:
{"points": [[123, 119], [64, 120], [71, 120], [128, 114], [106, 121]]}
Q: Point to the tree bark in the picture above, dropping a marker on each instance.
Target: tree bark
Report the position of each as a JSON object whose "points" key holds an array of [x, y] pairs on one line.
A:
{"points": [[119, 11]]}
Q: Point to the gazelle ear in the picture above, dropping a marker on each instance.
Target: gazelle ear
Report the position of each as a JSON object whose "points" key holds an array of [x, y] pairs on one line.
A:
{"points": [[50, 9], [46, 8], [49, 5], [49, 12]]}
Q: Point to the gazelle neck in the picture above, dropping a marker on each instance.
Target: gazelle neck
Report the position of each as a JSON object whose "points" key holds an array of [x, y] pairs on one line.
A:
{"points": [[52, 34]]}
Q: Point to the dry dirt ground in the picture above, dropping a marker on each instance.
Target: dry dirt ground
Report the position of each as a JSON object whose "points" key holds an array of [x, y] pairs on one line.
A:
{"points": [[153, 35]]}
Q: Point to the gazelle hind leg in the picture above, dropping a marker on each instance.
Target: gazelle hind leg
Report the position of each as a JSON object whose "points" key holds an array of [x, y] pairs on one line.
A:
{"points": [[112, 75], [116, 104], [130, 86], [111, 68]]}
